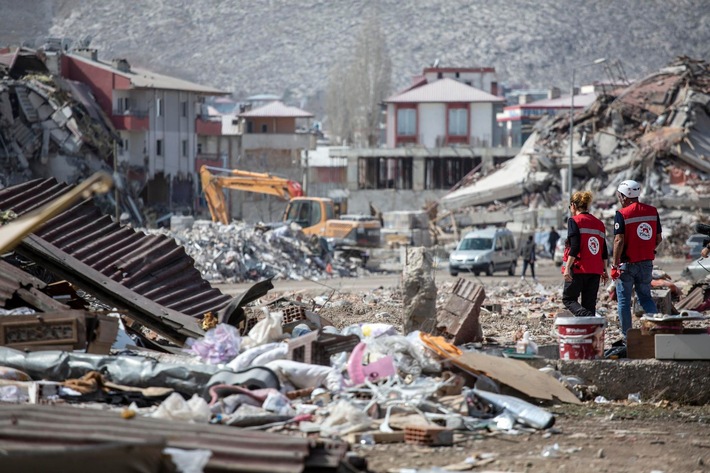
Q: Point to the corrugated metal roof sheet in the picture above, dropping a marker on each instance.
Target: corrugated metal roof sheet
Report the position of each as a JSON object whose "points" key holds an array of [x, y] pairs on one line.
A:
{"points": [[443, 91], [24, 427], [278, 110], [95, 247]]}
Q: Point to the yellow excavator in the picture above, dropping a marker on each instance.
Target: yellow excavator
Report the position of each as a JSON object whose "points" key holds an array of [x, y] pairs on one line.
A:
{"points": [[315, 215]]}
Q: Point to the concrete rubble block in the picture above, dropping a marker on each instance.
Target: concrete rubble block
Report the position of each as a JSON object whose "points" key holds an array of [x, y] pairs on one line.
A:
{"points": [[458, 317], [317, 348], [419, 290]]}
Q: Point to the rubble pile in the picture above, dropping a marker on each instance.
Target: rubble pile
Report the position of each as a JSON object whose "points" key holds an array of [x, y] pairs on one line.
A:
{"points": [[655, 130], [49, 126], [241, 252]]}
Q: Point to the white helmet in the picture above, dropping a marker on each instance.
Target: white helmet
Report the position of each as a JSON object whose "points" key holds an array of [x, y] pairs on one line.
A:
{"points": [[630, 189]]}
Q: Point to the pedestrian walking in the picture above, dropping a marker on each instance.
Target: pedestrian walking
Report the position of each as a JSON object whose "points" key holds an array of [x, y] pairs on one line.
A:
{"points": [[528, 254]]}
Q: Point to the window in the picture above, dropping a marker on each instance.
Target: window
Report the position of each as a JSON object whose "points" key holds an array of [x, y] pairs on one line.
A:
{"points": [[385, 173], [123, 105], [445, 173], [476, 243], [264, 128], [458, 122], [406, 121], [159, 147], [250, 126], [184, 148], [183, 109], [199, 148], [304, 212], [159, 107], [125, 145]]}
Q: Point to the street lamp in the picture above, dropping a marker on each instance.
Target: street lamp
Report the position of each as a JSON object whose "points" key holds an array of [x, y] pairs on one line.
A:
{"points": [[571, 119]]}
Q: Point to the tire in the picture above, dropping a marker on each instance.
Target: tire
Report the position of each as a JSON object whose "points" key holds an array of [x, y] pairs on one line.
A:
{"points": [[453, 272], [476, 273], [511, 269], [490, 269]]}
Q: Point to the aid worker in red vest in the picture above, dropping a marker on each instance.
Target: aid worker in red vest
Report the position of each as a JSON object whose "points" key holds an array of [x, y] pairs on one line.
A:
{"points": [[637, 230], [586, 263]]}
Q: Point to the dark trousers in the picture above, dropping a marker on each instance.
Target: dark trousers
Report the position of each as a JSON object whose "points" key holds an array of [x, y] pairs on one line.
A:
{"points": [[527, 263], [585, 285]]}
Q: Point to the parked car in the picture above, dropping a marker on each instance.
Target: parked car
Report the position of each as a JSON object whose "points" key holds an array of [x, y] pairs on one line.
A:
{"points": [[490, 249], [694, 245]]}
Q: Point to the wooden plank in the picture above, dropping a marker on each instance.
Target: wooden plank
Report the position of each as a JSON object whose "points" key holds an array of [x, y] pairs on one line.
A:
{"points": [[40, 301], [516, 374], [639, 346]]}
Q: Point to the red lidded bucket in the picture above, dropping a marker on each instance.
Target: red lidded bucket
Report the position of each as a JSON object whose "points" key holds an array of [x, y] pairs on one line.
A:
{"points": [[581, 338]]}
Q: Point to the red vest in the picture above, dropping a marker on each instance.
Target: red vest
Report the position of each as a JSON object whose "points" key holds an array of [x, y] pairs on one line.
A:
{"points": [[591, 248], [641, 228]]}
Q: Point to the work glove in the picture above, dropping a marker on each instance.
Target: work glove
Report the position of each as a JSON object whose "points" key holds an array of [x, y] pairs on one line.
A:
{"points": [[615, 273]]}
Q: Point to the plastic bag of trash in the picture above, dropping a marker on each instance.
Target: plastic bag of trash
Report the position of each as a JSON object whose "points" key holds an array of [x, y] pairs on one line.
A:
{"points": [[278, 403], [408, 353], [244, 359], [304, 375], [344, 418], [265, 331], [219, 345], [174, 407], [189, 461]]}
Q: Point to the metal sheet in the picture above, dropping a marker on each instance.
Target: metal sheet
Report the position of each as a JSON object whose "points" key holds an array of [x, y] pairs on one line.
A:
{"points": [[233, 449], [151, 277]]}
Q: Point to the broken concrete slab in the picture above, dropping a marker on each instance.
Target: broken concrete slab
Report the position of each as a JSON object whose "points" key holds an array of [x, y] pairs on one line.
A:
{"points": [[419, 290]]}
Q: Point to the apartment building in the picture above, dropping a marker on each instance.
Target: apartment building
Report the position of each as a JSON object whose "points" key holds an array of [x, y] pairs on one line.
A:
{"points": [[157, 119]]}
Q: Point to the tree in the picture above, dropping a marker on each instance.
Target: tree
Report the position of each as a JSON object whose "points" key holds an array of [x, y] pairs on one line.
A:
{"points": [[357, 88]]}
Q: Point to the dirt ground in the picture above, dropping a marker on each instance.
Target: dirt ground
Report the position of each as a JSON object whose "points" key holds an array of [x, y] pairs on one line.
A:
{"points": [[614, 437]]}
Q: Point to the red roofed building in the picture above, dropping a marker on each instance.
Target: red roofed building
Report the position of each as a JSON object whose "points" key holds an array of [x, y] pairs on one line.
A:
{"points": [[518, 120], [439, 129]]}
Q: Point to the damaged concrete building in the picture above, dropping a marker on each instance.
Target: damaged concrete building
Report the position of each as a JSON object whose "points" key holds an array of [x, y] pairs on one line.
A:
{"points": [[655, 130]]}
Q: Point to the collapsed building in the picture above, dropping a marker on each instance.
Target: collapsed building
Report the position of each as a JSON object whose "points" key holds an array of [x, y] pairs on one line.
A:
{"points": [[655, 130], [52, 127]]}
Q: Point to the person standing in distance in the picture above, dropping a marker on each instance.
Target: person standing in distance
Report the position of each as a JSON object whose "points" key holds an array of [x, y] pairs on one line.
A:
{"points": [[552, 241], [637, 234], [528, 254], [587, 259]]}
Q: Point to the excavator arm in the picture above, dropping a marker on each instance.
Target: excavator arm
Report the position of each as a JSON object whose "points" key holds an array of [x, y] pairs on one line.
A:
{"points": [[215, 180]]}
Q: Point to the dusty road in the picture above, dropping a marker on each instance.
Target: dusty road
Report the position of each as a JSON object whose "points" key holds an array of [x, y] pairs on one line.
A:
{"points": [[547, 274]]}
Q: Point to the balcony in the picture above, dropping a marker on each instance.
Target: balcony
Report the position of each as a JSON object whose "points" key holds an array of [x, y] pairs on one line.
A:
{"points": [[278, 141], [130, 120]]}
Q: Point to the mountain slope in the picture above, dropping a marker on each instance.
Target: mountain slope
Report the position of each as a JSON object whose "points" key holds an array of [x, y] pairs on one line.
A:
{"points": [[289, 46]]}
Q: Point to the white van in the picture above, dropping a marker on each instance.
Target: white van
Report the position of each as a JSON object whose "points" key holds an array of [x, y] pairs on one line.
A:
{"points": [[490, 249]]}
